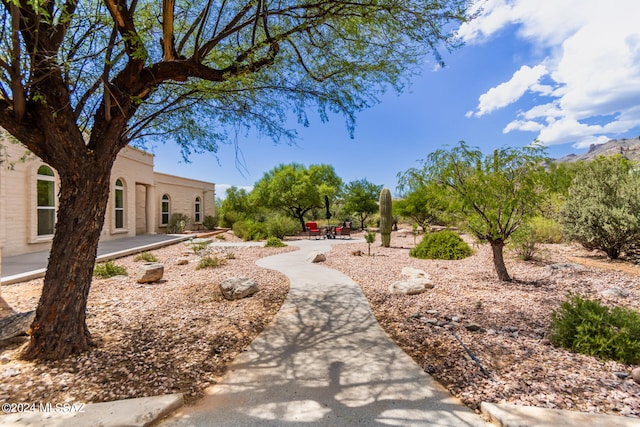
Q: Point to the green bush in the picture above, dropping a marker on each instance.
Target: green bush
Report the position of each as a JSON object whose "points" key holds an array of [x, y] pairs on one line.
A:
{"points": [[210, 222], [524, 241], [108, 269], [250, 230], [145, 256], [210, 262], [602, 210], [588, 327], [274, 242], [177, 223], [441, 245], [281, 226]]}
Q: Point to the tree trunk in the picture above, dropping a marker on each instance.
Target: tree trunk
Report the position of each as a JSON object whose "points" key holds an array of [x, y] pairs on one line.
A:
{"points": [[498, 260], [60, 328]]}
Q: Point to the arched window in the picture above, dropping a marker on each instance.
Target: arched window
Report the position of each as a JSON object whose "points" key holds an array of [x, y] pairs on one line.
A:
{"points": [[119, 204], [46, 187], [165, 210], [198, 215]]}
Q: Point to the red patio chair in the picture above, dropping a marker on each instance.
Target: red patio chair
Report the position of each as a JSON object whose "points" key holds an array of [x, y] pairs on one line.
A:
{"points": [[312, 229]]}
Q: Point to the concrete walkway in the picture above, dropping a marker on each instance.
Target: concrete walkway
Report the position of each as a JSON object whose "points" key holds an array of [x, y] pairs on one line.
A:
{"points": [[324, 361], [20, 268]]}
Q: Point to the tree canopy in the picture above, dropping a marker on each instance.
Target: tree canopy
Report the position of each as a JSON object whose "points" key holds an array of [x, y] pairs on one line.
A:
{"points": [[361, 199], [495, 192], [296, 189], [79, 80]]}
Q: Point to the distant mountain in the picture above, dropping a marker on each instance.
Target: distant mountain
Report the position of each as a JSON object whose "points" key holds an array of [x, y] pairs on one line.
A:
{"points": [[627, 147]]}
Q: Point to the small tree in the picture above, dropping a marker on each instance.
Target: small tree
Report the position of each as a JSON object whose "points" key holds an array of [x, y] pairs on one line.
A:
{"points": [[603, 207], [496, 193], [370, 237], [360, 199], [424, 204]]}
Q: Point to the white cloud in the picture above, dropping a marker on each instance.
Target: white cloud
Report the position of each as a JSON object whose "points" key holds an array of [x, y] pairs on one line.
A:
{"points": [[221, 189], [592, 67], [523, 80]]}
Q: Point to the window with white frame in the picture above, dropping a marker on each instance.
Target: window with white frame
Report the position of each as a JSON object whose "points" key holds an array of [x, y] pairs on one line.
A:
{"points": [[119, 204], [165, 210], [198, 214], [46, 196]]}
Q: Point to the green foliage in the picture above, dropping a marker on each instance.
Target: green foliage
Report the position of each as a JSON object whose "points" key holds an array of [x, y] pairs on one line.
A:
{"points": [[198, 247], [426, 205], [603, 206], [588, 327], [441, 245], [108, 269], [210, 222], [250, 230], [274, 242], [360, 199], [370, 237], [281, 226], [145, 256], [295, 189], [494, 194], [210, 262], [235, 207], [526, 239], [386, 217], [177, 223]]}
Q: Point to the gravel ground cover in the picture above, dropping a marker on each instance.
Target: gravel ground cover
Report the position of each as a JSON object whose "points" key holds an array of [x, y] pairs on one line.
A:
{"points": [[174, 336], [179, 335], [511, 346]]}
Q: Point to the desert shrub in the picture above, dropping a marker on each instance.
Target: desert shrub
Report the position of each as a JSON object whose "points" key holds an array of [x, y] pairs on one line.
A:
{"points": [[588, 327], [210, 222], [274, 242], [210, 262], [221, 237], [602, 210], [525, 240], [281, 226], [441, 245], [145, 256], [177, 223], [108, 269], [250, 230], [198, 247]]}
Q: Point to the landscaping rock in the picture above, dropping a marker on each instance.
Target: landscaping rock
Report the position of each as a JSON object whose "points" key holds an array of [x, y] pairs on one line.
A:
{"points": [[15, 325], [473, 327], [412, 273], [411, 286], [636, 374], [316, 256], [150, 272], [238, 287], [182, 261], [615, 292]]}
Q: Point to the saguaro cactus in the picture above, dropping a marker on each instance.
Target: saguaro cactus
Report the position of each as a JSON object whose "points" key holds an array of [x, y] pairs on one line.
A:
{"points": [[386, 218]]}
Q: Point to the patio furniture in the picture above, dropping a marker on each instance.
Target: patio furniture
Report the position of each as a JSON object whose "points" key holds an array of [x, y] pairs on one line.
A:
{"points": [[312, 229], [343, 231]]}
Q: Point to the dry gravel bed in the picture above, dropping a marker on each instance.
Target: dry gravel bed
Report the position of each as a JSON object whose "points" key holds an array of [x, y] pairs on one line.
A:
{"points": [[524, 368], [177, 335]]}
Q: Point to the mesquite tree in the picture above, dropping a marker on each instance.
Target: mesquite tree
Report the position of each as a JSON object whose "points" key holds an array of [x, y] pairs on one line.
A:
{"points": [[81, 79], [493, 193]]}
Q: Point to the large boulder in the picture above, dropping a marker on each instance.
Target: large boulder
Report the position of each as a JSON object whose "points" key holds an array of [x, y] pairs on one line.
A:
{"points": [[635, 374], [412, 286], [150, 272], [15, 325], [316, 256], [238, 287]]}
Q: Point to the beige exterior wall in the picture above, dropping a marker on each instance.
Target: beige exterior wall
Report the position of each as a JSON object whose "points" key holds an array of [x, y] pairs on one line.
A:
{"points": [[142, 190], [182, 193]]}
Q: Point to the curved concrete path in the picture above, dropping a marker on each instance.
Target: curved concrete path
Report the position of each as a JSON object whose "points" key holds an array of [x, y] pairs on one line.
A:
{"points": [[324, 361]]}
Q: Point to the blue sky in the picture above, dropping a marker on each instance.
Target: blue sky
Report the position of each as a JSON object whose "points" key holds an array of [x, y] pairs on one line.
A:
{"points": [[565, 72]]}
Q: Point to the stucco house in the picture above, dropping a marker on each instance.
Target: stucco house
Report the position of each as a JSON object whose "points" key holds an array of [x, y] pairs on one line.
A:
{"points": [[141, 201]]}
